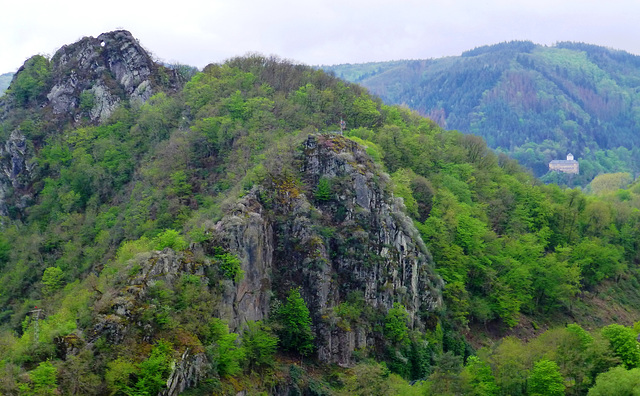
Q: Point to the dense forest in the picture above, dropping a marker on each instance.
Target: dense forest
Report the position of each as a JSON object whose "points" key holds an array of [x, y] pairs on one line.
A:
{"points": [[534, 103], [166, 232]]}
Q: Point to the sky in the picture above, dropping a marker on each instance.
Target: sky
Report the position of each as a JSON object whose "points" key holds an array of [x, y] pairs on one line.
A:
{"points": [[313, 32]]}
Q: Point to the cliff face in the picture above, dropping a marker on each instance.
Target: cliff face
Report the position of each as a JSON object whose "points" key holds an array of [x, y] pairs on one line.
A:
{"points": [[358, 242]]}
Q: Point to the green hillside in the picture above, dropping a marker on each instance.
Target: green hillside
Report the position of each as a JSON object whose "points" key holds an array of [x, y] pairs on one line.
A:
{"points": [[163, 233], [533, 102], [5, 80]]}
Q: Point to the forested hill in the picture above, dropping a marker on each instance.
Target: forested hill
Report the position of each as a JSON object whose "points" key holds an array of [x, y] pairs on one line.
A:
{"points": [[5, 80], [536, 103], [165, 233]]}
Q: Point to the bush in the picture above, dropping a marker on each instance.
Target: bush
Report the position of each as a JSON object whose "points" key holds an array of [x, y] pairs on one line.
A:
{"points": [[260, 345], [545, 379], [31, 80], [224, 351], [395, 324], [170, 239], [43, 381], [230, 265], [623, 343], [323, 190]]}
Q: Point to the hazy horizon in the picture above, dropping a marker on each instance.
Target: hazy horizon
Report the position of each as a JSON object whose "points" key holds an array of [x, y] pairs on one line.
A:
{"points": [[316, 33]]}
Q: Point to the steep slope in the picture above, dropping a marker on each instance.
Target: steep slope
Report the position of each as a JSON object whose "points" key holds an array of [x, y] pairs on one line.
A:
{"points": [[535, 103]]}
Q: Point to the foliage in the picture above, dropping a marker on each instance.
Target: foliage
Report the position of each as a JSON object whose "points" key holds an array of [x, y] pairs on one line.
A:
{"points": [[170, 239], [295, 332], [545, 379], [225, 351], [376, 379], [395, 324], [617, 381], [43, 381], [623, 343], [230, 265], [30, 80], [323, 190], [52, 280], [260, 345], [154, 371], [479, 377], [145, 378]]}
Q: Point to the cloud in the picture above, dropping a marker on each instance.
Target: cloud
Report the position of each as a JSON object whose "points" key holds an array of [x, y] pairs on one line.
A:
{"points": [[315, 32]]}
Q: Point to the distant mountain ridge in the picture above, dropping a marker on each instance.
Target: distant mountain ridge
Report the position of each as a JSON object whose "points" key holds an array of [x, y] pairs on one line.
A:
{"points": [[534, 102], [5, 80]]}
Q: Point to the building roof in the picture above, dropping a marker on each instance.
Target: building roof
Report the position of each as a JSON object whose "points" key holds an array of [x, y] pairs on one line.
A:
{"points": [[565, 162]]}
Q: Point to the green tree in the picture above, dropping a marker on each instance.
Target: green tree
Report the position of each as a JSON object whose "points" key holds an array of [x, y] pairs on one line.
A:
{"points": [[395, 324], [479, 378], [170, 239], [617, 381], [118, 376], [446, 379], [224, 350], [623, 343], [154, 371], [295, 332], [260, 345], [545, 379], [43, 381], [31, 81], [323, 190], [230, 265], [52, 280]]}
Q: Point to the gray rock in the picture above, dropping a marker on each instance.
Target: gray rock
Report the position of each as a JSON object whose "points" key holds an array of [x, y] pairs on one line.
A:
{"points": [[15, 170], [113, 67]]}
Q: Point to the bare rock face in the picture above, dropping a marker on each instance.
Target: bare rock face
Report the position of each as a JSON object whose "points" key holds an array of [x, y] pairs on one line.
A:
{"points": [[15, 171], [248, 233], [94, 75], [358, 242], [186, 373]]}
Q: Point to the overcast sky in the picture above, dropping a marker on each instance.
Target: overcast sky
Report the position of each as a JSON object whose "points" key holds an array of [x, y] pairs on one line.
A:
{"points": [[198, 32]]}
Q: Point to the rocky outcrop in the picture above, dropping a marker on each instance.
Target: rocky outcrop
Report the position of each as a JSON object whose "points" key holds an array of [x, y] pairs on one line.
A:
{"points": [[86, 82], [358, 242], [186, 373], [247, 233], [15, 172], [92, 76]]}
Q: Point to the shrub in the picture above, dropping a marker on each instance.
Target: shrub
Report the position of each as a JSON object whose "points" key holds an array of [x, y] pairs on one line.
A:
{"points": [[260, 345], [395, 324], [43, 381], [230, 265], [171, 239], [224, 351]]}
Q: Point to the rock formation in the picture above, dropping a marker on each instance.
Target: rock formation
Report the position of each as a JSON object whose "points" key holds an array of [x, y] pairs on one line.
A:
{"points": [[88, 81]]}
